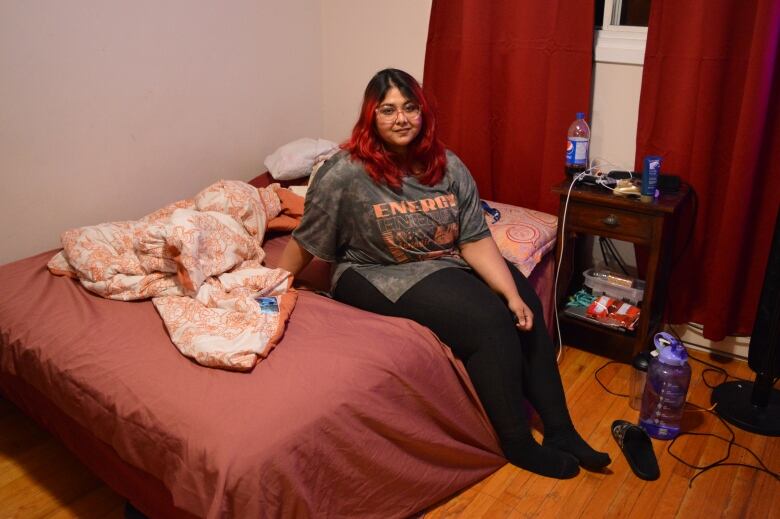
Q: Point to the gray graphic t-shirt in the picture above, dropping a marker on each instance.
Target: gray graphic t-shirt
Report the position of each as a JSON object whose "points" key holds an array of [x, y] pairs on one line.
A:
{"points": [[392, 238]]}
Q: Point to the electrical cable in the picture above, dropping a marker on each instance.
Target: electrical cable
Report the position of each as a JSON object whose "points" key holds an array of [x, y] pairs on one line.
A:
{"points": [[604, 253], [596, 375], [722, 461], [576, 179], [609, 246], [711, 368], [620, 261]]}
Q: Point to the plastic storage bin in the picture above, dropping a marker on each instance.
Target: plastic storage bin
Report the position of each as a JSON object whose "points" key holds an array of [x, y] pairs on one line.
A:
{"points": [[603, 282]]}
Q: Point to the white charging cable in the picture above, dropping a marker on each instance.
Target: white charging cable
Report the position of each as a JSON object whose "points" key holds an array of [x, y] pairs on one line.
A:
{"points": [[577, 178]]}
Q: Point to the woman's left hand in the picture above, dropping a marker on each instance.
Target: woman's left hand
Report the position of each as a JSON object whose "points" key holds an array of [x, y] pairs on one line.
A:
{"points": [[524, 315]]}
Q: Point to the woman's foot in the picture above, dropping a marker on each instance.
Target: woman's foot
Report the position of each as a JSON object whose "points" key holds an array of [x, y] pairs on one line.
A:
{"points": [[568, 440], [545, 461]]}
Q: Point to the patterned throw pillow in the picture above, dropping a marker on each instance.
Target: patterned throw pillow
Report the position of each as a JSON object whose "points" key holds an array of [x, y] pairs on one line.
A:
{"points": [[523, 236]]}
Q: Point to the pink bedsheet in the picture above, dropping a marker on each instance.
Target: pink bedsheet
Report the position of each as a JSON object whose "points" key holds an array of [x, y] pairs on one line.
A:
{"points": [[352, 414]]}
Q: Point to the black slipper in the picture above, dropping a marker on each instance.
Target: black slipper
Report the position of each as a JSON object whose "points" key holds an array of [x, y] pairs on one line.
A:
{"points": [[637, 448]]}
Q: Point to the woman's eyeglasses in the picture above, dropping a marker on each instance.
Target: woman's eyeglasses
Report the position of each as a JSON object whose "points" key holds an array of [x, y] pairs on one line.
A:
{"points": [[389, 113]]}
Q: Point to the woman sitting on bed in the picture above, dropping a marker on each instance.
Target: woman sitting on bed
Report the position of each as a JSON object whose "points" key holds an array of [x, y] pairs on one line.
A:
{"points": [[400, 218]]}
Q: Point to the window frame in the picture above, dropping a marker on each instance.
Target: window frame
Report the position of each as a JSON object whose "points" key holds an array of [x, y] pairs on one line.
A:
{"points": [[622, 44]]}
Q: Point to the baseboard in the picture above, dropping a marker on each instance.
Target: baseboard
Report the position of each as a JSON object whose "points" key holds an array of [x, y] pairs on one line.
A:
{"points": [[731, 346]]}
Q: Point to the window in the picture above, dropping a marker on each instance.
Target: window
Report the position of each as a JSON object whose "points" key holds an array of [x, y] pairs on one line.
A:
{"points": [[623, 12], [621, 31]]}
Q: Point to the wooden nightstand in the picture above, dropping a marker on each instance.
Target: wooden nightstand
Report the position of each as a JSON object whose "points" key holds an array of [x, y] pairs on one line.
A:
{"points": [[595, 211]]}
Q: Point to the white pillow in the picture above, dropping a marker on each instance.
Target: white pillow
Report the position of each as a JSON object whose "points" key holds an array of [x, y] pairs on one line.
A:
{"points": [[295, 159]]}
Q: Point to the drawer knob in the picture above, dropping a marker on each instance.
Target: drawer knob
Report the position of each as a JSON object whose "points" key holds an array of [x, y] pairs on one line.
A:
{"points": [[611, 221]]}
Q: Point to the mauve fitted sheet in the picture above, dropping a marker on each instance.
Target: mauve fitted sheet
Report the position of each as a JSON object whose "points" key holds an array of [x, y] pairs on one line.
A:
{"points": [[352, 414]]}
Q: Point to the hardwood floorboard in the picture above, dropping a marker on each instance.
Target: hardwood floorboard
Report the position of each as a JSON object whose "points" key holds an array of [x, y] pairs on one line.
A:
{"points": [[516, 489], [724, 492], [604, 492], [741, 487], [40, 479], [497, 484], [31, 460], [42, 491], [765, 488], [100, 502]]}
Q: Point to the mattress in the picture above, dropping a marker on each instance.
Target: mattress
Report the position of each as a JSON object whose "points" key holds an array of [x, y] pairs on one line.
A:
{"points": [[352, 414]]}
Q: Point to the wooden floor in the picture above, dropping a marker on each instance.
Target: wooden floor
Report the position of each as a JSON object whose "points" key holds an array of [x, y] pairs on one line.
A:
{"points": [[39, 478]]}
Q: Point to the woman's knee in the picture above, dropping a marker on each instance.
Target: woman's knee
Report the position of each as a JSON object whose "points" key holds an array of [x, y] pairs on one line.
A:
{"points": [[461, 310]]}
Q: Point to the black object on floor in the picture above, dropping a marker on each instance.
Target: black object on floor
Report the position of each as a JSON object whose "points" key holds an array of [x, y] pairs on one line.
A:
{"points": [[637, 448], [132, 512]]}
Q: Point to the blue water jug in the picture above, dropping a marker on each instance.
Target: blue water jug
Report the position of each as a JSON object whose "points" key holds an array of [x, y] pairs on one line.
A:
{"points": [[668, 378]]}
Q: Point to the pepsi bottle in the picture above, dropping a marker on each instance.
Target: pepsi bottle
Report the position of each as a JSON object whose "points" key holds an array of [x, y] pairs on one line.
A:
{"points": [[577, 146]]}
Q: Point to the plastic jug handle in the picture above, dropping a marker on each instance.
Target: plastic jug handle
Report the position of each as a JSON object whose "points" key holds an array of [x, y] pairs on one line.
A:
{"points": [[664, 339]]}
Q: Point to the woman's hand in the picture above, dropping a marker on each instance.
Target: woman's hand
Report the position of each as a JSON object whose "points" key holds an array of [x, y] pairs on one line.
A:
{"points": [[484, 257], [524, 317]]}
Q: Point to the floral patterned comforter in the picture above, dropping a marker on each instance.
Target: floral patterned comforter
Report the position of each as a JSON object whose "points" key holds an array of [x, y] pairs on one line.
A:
{"points": [[200, 260]]}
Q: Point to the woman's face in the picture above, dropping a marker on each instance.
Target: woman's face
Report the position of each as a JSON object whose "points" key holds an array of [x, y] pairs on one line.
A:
{"points": [[397, 120]]}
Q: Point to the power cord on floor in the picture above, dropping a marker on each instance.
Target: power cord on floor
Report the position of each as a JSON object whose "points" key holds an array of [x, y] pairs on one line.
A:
{"points": [[711, 367], [721, 462], [603, 386]]}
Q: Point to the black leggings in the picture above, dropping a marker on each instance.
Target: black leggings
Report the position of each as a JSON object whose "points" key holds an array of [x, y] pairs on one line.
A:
{"points": [[504, 364]]}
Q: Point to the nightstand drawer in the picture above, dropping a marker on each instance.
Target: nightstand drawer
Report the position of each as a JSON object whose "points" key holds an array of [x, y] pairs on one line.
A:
{"points": [[622, 224]]}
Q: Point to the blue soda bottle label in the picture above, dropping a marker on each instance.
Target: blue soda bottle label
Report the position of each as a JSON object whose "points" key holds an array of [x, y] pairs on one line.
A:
{"points": [[577, 151]]}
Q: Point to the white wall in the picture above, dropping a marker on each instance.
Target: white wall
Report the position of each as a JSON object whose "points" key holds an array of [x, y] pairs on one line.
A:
{"points": [[109, 110], [615, 112], [614, 117], [360, 38]]}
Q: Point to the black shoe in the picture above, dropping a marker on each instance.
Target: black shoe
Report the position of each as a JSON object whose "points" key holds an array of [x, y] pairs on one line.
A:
{"points": [[637, 448]]}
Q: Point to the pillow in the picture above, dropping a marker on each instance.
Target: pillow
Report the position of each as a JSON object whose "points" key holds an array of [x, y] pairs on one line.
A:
{"points": [[292, 211], [295, 159], [523, 236]]}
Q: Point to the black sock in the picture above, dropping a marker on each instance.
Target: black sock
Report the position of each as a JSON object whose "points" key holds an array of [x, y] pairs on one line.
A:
{"points": [[568, 440], [545, 461]]}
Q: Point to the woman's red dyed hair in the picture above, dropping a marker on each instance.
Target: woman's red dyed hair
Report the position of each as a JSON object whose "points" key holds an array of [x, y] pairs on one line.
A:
{"points": [[426, 152]]}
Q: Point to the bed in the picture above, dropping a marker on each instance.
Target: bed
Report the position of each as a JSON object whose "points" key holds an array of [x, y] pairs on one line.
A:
{"points": [[351, 414]]}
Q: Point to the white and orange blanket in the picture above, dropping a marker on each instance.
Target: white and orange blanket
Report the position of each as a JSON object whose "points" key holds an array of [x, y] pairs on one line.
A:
{"points": [[200, 260]]}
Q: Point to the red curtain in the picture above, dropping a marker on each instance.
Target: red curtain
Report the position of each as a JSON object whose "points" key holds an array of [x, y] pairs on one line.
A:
{"points": [[710, 106], [508, 77]]}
